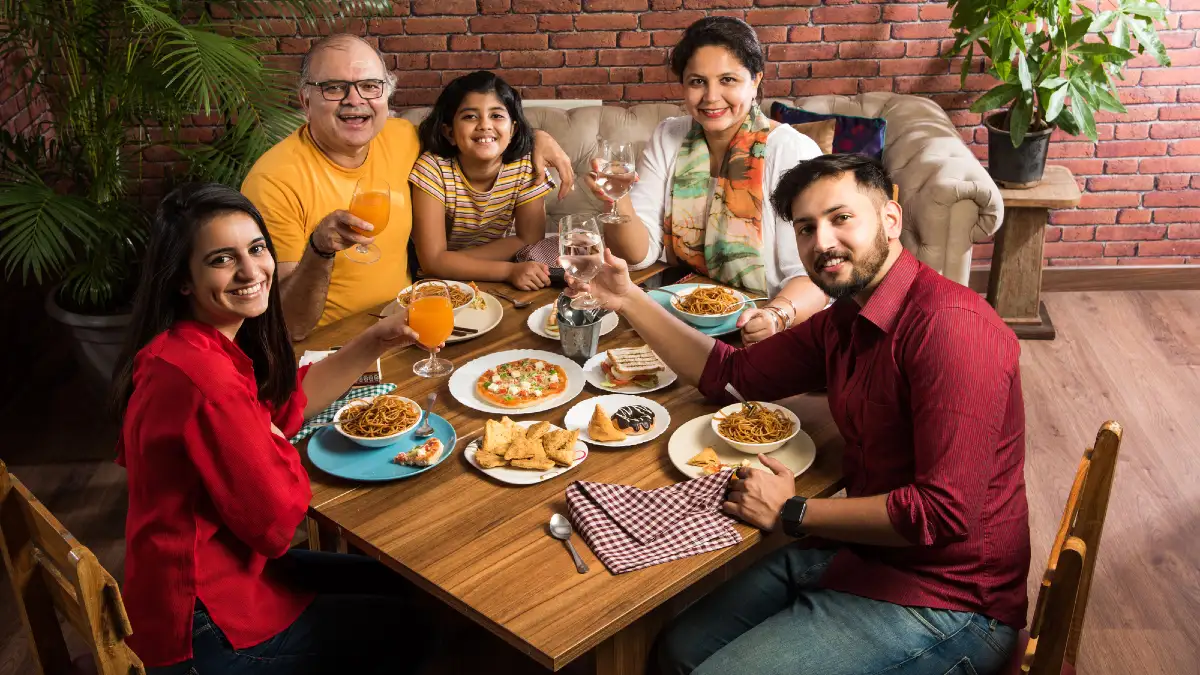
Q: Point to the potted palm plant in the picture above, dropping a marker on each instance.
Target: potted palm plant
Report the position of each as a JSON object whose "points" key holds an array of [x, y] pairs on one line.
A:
{"points": [[120, 77], [1056, 61]]}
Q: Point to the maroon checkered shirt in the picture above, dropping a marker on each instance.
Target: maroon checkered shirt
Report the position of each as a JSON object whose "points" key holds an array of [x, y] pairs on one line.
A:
{"points": [[924, 386]]}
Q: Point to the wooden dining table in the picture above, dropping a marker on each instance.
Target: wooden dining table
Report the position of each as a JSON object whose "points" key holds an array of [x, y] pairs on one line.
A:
{"points": [[482, 547]]}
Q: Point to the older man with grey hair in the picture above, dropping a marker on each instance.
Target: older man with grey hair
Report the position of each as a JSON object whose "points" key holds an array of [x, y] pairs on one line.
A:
{"points": [[304, 186]]}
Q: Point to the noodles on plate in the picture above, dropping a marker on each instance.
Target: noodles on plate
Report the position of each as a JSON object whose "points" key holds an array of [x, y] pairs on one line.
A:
{"points": [[754, 423], [458, 297], [384, 416], [709, 300]]}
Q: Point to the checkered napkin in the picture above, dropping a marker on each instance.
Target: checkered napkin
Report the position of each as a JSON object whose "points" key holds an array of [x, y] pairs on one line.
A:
{"points": [[544, 251], [326, 416], [629, 529]]}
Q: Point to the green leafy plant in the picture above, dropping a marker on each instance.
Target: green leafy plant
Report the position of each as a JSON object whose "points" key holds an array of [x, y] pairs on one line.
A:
{"points": [[120, 77], [1056, 60]]}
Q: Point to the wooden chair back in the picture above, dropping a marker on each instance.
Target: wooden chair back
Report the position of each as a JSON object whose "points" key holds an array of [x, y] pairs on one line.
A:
{"points": [[51, 571], [1057, 625]]}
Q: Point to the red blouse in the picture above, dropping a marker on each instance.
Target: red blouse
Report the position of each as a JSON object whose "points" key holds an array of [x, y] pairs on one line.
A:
{"points": [[213, 494]]}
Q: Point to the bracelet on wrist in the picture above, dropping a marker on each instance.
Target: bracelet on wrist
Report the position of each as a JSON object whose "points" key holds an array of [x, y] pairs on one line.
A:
{"points": [[313, 245]]}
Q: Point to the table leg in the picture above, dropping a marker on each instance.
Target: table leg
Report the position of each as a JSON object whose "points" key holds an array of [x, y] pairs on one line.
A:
{"points": [[324, 538], [1015, 283], [629, 651]]}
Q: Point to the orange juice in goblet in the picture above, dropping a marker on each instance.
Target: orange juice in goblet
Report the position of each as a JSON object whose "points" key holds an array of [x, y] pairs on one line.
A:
{"points": [[431, 316], [372, 201], [375, 208]]}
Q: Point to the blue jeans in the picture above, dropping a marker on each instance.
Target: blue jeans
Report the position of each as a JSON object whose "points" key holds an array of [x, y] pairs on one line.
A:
{"points": [[362, 621], [774, 619]]}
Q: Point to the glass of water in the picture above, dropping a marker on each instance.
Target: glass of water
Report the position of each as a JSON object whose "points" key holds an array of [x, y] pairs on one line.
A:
{"points": [[618, 171], [581, 253]]}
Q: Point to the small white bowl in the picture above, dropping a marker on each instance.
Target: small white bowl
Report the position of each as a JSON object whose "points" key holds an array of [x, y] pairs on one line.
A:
{"points": [[465, 288], [755, 448], [379, 441], [706, 320]]}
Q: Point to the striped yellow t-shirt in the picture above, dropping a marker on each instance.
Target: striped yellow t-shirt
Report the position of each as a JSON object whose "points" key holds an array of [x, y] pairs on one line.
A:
{"points": [[476, 217]]}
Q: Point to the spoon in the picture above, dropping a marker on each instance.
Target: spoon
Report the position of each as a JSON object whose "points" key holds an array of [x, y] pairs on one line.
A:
{"points": [[560, 528], [426, 429], [517, 304]]}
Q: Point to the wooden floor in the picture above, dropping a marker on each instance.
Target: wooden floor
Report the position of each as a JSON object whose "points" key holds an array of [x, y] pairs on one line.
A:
{"points": [[1129, 356]]}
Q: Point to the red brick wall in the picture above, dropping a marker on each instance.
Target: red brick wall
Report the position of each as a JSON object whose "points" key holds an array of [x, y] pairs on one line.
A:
{"points": [[17, 113], [1141, 181]]}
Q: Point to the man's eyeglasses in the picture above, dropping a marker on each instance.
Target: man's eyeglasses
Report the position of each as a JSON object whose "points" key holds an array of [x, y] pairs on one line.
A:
{"points": [[338, 90]]}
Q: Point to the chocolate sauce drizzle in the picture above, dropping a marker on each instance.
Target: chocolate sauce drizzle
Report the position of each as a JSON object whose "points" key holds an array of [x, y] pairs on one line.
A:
{"points": [[636, 417]]}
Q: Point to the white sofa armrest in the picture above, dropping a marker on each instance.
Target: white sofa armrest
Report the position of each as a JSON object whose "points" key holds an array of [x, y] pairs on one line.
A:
{"points": [[949, 200]]}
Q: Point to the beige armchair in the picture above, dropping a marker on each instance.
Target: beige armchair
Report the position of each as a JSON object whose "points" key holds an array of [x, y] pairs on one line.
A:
{"points": [[948, 198]]}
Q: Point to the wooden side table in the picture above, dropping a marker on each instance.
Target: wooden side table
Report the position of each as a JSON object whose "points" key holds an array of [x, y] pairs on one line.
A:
{"points": [[1015, 283]]}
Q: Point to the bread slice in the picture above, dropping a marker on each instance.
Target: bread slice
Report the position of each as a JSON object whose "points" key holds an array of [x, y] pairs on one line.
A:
{"points": [[630, 362]]}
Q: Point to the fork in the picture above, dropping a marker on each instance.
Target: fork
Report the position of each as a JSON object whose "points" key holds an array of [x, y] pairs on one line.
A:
{"points": [[517, 304], [426, 429]]}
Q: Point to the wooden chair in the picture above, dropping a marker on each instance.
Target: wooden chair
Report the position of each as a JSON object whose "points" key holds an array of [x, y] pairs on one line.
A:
{"points": [[51, 570], [1052, 643]]}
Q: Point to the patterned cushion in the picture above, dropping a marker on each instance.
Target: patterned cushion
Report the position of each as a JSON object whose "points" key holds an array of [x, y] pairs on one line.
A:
{"points": [[860, 135], [821, 132]]}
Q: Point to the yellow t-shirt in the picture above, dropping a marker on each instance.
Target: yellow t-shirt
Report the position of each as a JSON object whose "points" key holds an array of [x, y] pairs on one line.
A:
{"points": [[295, 185]]}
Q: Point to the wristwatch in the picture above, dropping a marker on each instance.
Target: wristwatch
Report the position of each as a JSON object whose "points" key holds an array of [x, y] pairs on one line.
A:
{"points": [[792, 516]]}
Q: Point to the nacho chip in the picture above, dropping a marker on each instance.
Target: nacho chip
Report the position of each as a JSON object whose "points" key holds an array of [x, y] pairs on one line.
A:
{"points": [[524, 448], [561, 449], [706, 457], [496, 438], [537, 430]]}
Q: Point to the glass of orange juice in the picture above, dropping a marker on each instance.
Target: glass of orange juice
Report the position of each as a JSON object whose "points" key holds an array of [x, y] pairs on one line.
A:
{"points": [[431, 316], [372, 201]]}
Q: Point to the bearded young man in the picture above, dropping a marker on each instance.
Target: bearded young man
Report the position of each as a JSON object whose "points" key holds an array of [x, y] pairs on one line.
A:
{"points": [[304, 184], [922, 568]]}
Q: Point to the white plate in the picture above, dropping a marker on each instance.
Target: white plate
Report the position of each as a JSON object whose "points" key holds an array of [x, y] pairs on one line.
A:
{"points": [[505, 474], [462, 382], [482, 320], [465, 288], [537, 322], [688, 440], [581, 413], [595, 377]]}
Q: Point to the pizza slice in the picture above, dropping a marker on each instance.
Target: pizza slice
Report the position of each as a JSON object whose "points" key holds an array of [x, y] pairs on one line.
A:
{"points": [[426, 454]]}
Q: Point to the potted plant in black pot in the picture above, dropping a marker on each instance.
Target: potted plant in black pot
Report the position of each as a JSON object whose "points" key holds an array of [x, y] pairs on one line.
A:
{"points": [[118, 78], [1056, 61]]}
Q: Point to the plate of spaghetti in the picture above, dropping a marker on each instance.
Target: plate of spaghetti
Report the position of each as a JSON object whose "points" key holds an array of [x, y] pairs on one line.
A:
{"points": [[755, 427], [376, 421], [712, 325], [461, 295], [705, 305]]}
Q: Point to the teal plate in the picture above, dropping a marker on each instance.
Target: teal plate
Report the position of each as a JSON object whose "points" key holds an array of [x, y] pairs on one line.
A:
{"points": [[724, 328], [337, 455]]}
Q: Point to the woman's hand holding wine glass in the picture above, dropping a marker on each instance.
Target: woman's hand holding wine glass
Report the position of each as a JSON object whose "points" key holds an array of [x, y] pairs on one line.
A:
{"points": [[614, 171]]}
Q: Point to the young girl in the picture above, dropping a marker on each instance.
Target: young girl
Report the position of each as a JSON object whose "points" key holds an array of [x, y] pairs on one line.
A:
{"points": [[476, 204], [209, 392]]}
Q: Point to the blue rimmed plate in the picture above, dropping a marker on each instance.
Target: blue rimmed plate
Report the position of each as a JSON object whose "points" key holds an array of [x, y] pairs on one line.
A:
{"points": [[337, 455], [724, 328]]}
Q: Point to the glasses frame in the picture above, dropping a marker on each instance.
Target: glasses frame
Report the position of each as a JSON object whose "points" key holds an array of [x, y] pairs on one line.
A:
{"points": [[355, 84]]}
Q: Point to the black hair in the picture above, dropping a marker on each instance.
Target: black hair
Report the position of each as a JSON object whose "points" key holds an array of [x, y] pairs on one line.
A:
{"points": [[868, 173], [160, 303], [479, 82], [722, 31]]}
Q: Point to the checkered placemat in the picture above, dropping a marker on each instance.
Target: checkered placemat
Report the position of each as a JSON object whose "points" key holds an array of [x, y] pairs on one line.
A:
{"points": [[326, 416], [629, 529]]}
